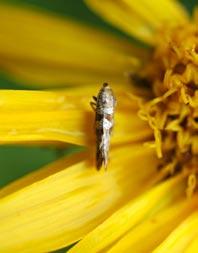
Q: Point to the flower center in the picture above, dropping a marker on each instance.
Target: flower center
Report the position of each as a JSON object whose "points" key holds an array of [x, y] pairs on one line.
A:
{"points": [[172, 108]]}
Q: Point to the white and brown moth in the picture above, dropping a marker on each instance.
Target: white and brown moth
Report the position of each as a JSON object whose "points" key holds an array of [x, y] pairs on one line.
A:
{"points": [[104, 106]]}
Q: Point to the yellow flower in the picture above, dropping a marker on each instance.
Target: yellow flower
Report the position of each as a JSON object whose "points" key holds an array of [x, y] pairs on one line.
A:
{"points": [[139, 204]]}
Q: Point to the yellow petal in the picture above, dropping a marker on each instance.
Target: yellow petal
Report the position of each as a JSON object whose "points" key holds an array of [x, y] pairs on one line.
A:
{"points": [[140, 18], [129, 216], [64, 116], [51, 76], [50, 50], [42, 173], [153, 230], [55, 208], [193, 246], [179, 239]]}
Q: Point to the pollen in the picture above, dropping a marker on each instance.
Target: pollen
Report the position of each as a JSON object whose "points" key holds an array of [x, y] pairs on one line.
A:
{"points": [[171, 109]]}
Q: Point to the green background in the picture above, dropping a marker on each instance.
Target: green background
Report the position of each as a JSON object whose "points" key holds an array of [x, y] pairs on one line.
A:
{"points": [[16, 161]]}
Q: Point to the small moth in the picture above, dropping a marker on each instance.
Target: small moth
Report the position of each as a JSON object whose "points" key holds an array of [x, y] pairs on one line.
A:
{"points": [[104, 106]]}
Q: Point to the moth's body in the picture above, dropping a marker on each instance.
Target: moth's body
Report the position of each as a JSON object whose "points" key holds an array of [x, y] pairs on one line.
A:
{"points": [[104, 108]]}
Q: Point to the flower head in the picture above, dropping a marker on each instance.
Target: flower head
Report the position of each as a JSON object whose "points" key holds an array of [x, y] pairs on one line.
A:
{"points": [[153, 158]]}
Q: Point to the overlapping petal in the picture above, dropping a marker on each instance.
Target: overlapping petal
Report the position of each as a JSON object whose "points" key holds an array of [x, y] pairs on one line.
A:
{"points": [[45, 49], [140, 18], [154, 229], [64, 116], [131, 215], [181, 237], [59, 205]]}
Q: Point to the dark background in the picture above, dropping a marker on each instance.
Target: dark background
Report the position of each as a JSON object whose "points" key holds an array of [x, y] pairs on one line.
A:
{"points": [[16, 161]]}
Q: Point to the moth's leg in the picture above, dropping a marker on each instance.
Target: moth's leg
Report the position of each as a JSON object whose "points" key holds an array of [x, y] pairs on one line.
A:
{"points": [[93, 106], [95, 98]]}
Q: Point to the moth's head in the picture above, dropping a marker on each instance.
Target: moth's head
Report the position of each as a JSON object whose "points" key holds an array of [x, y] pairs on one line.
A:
{"points": [[105, 85]]}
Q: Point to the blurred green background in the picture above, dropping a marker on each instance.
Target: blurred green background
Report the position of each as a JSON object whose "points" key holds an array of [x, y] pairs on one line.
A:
{"points": [[16, 161]]}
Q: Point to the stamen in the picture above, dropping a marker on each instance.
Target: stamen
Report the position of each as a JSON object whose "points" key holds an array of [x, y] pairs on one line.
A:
{"points": [[172, 112], [192, 182]]}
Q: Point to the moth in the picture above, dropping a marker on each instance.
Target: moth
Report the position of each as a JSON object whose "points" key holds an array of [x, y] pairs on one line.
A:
{"points": [[104, 107]]}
